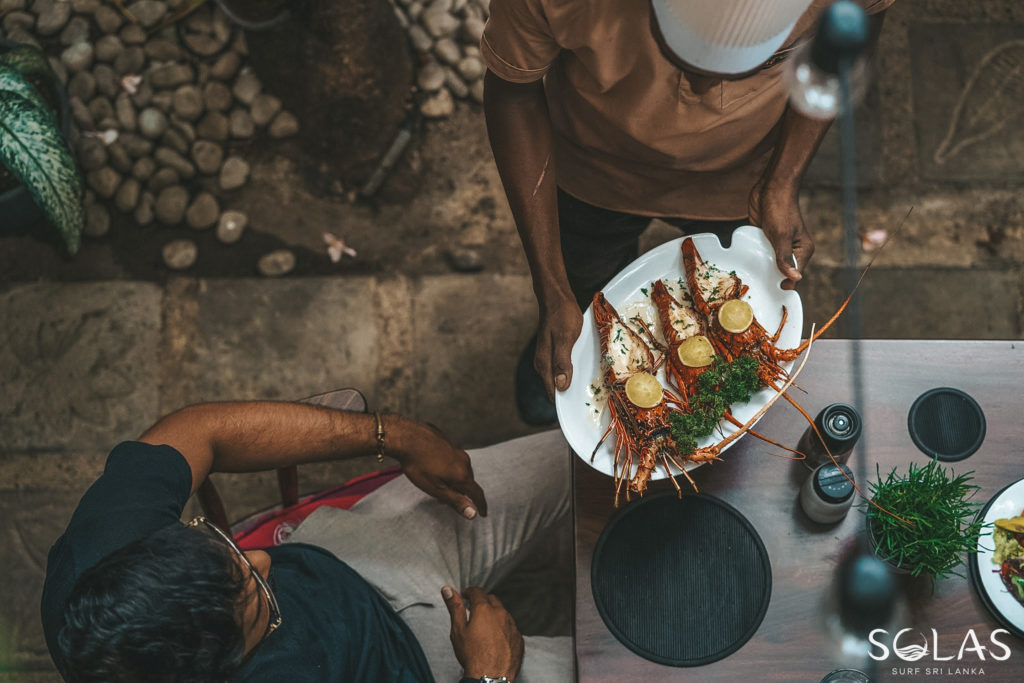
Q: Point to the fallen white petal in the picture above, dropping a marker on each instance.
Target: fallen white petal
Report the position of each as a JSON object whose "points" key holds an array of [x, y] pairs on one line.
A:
{"points": [[131, 83], [336, 247], [873, 240]]}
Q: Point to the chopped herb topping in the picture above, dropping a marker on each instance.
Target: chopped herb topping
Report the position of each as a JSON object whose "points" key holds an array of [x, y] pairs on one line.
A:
{"points": [[720, 386], [644, 290]]}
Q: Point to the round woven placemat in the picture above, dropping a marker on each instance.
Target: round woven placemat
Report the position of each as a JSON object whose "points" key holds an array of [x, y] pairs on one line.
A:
{"points": [[683, 582]]}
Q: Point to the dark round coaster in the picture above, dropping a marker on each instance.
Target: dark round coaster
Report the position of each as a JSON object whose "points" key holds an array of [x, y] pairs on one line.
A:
{"points": [[946, 423], [682, 582]]}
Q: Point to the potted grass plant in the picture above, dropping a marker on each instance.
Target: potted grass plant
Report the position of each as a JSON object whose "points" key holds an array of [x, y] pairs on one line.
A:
{"points": [[38, 176], [925, 520]]}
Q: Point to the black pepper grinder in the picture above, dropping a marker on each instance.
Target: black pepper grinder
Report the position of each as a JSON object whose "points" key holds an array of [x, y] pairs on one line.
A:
{"points": [[840, 427]]}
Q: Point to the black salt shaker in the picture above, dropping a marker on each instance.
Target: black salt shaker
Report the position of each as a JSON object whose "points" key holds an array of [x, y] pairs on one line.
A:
{"points": [[840, 427]]}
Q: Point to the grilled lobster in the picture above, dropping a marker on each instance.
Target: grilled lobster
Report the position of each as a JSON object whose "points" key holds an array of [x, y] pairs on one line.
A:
{"points": [[710, 288], [641, 433], [679, 323], [644, 433]]}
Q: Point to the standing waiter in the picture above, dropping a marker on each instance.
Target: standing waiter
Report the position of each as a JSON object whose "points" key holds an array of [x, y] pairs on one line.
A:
{"points": [[603, 114]]}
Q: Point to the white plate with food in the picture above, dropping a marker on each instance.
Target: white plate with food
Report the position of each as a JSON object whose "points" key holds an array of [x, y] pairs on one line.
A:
{"points": [[582, 413], [994, 545]]}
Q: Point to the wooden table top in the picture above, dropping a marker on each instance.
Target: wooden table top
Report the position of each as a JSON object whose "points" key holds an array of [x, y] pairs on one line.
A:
{"points": [[793, 641]]}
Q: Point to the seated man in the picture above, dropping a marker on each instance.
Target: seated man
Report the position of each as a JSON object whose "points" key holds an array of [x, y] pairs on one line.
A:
{"points": [[131, 594]]}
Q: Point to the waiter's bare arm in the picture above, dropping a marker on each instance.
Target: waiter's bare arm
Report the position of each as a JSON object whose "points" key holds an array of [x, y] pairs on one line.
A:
{"points": [[774, 201], [519, 128]]}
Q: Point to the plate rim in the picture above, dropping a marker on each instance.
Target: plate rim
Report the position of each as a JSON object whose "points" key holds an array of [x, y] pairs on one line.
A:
{"points": [[975, 571]]}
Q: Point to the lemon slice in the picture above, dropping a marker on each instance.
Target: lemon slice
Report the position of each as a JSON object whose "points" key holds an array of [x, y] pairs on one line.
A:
{"points": [[695, 351], [735, 316], [644, 390]]}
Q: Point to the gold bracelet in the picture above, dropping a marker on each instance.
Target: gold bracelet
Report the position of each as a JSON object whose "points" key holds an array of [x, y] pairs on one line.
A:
{"points": [[380, 437]]}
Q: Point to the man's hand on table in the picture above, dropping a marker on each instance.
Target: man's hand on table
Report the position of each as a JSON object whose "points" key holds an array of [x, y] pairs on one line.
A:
{"points": [[484, 635], [438, 468], [776, 210], [560, 325]]}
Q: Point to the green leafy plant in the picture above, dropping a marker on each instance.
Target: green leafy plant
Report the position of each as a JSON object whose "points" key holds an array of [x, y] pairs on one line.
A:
{"points": [[31, 146], [941, 522]]}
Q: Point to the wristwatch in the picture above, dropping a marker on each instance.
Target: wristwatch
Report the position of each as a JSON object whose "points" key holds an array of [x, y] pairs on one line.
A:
{"points": [[484, 679]]}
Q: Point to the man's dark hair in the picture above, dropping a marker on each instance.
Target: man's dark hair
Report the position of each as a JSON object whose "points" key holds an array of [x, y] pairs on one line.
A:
{"points": [[164, 608]]}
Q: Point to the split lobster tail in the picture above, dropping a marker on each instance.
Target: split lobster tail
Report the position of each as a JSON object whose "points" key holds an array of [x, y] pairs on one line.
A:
{"points": [[638, 406]]}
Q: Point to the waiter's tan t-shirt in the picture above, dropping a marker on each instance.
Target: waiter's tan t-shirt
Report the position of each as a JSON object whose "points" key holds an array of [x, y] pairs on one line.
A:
{"points": [[630, 134]]}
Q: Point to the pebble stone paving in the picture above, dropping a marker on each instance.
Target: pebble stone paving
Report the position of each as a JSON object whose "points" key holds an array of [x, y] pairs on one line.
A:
{"points": [[161, 122]]}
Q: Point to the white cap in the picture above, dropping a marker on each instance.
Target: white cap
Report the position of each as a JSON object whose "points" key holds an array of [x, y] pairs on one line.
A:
{"points": [[726, 36]]}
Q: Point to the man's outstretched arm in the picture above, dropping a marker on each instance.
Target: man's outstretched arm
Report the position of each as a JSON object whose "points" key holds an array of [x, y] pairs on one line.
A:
{"points": [[257, 436]]}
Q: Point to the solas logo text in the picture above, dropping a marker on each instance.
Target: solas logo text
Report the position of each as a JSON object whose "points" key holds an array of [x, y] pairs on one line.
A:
{"points": [[912, 645]]}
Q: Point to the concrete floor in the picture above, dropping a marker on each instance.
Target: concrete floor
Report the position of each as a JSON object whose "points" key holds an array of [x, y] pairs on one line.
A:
{"points": [[86, 364]]}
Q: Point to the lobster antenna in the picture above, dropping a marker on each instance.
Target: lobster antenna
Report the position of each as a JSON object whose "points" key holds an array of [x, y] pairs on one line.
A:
{"points": [[757, 416], [846, 301]]}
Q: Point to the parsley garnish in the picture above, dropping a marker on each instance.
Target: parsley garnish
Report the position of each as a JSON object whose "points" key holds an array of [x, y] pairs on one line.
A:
{"points": [[718, 387]]}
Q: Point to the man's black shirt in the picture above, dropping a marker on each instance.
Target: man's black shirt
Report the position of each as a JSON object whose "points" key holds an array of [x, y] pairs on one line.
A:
{"points": [[335, 626]]}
